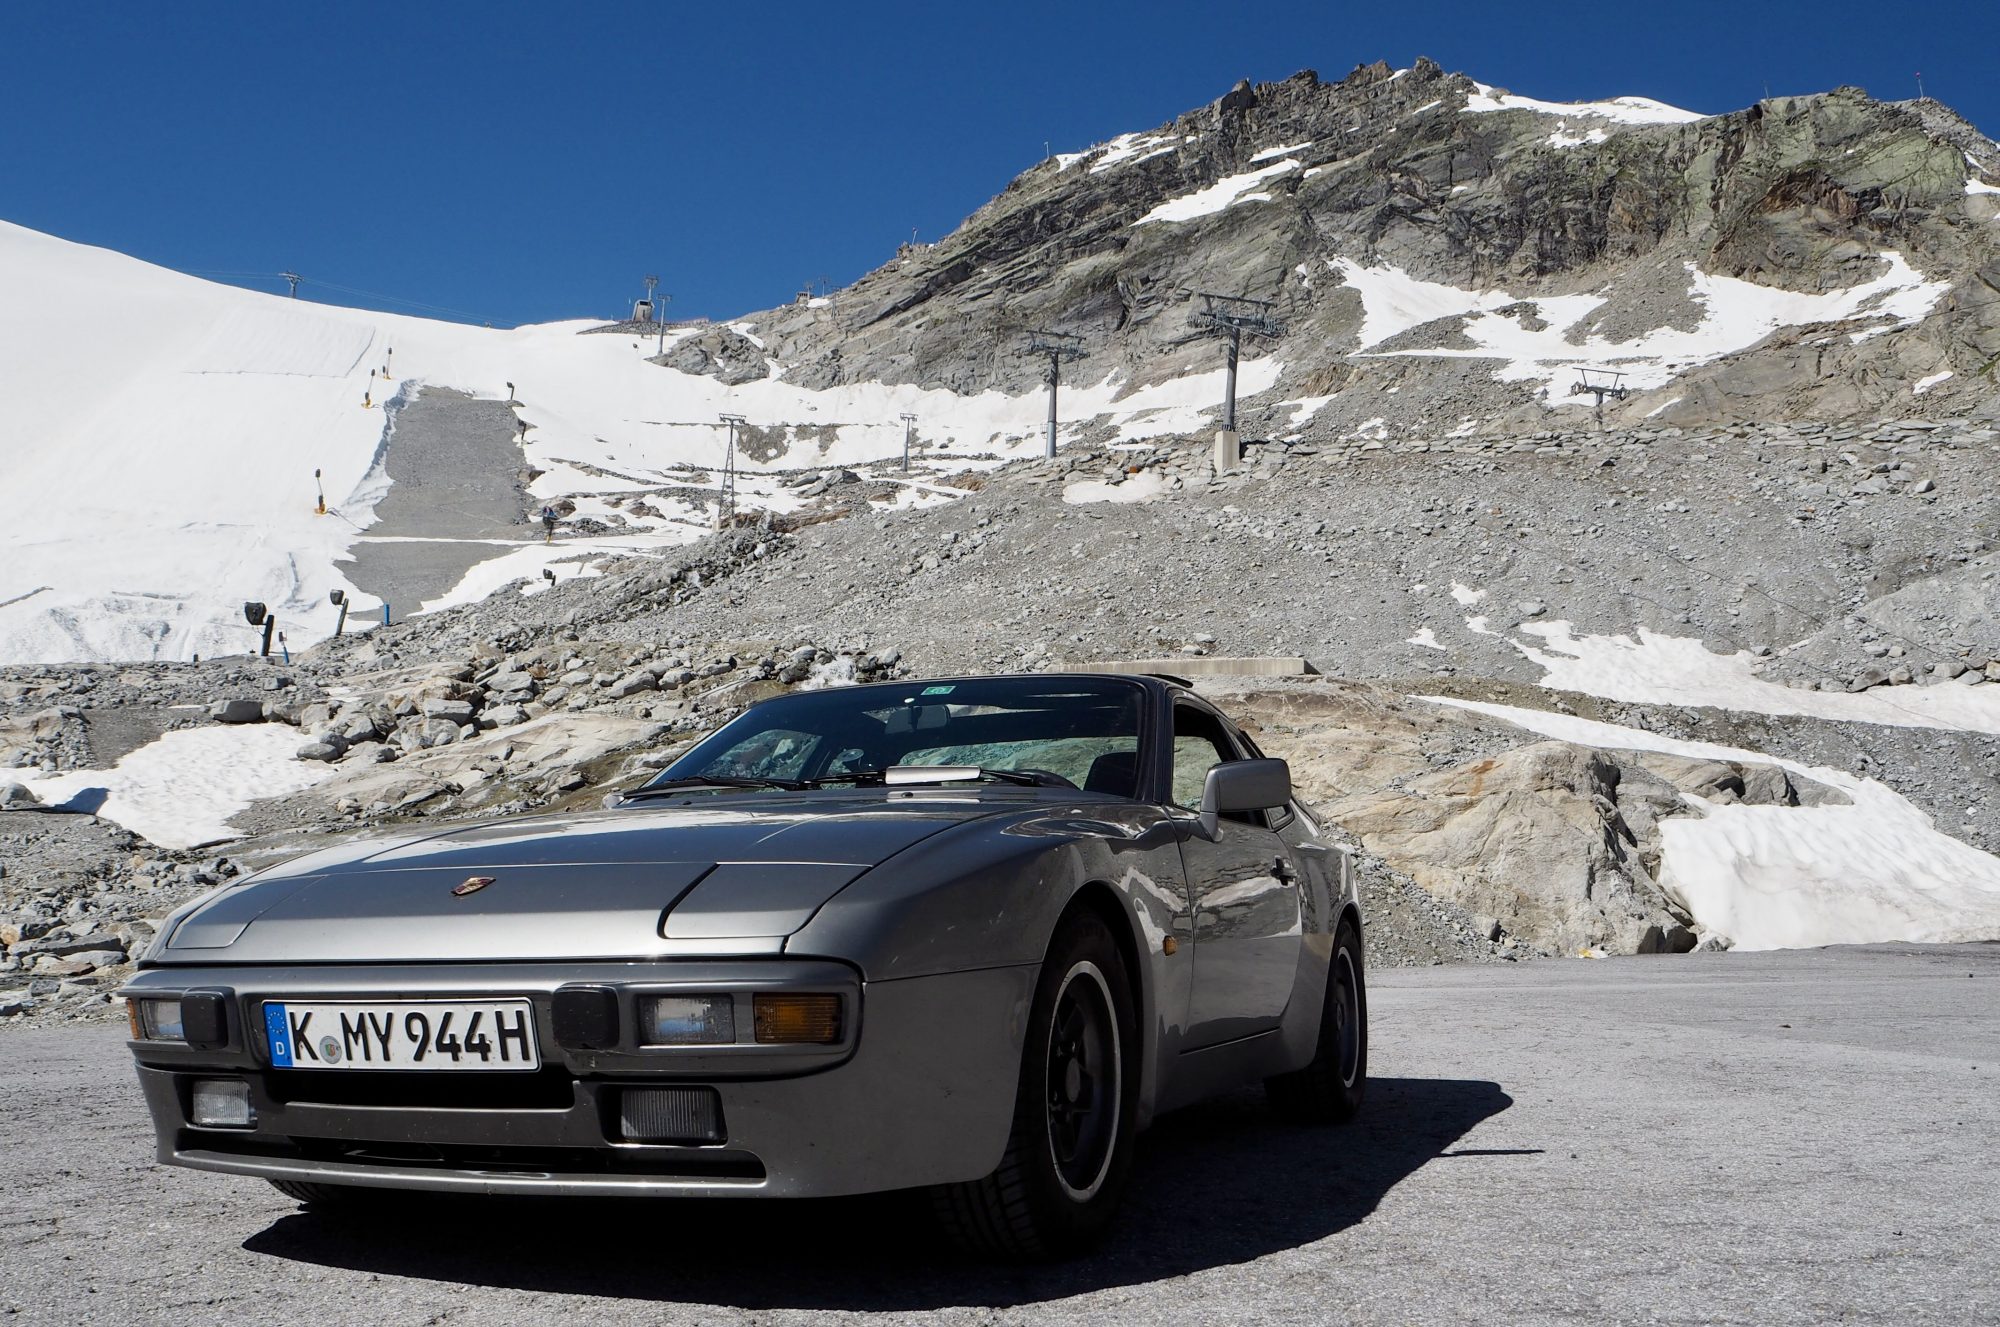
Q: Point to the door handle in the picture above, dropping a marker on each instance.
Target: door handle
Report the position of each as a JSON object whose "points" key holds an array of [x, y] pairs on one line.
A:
{"points": [[1284, 870]]}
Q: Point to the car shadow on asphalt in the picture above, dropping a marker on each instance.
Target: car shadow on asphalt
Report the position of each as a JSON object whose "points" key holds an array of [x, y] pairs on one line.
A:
{"points": [[1214, 1184]]}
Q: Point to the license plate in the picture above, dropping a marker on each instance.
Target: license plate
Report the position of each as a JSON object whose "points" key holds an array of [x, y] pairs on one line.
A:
{"points": [[402, 1034]]}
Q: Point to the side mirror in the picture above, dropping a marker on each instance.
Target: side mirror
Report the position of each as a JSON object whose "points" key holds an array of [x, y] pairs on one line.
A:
{"points": [[1243, 785]]}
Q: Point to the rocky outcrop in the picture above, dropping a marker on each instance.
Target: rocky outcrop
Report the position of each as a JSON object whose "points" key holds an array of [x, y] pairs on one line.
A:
{"points": [[1803, 194], [1534, 838], [727, 356]]}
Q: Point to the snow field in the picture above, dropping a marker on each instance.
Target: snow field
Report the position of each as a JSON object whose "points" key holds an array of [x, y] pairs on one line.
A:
{"points": [[180, 790], [165, 470]]}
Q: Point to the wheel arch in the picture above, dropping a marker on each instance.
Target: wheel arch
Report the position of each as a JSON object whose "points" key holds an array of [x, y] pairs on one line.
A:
{"points": [[1100, 898], [1350, 912]]}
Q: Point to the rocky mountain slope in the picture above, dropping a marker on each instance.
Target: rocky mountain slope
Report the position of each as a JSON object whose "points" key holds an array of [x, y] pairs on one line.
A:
{"points": [[1807, 257]]}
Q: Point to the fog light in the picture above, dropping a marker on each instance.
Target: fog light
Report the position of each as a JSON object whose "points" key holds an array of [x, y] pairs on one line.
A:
{"points": [[687, 1115], [812, 1020], [687, 1020], [156, 1020], [222, 1103]]}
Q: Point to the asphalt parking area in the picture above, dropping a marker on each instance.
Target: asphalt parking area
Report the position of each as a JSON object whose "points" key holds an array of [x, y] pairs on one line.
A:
{"points": [[1798, 1137]]}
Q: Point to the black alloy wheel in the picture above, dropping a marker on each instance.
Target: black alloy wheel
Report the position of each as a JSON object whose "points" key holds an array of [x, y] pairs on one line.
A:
{"points": [[1069, 1152], [1330, 1089]]}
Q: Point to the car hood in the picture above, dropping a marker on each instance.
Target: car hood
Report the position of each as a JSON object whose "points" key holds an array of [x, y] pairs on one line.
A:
{"points": [[636, 882]]}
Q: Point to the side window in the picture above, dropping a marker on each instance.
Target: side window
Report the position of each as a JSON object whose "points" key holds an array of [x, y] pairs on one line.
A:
{"points": [[1199, 743]]}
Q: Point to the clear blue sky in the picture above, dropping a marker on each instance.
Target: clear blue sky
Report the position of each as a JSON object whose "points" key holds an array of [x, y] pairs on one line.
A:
{"points": [[525, 162]]}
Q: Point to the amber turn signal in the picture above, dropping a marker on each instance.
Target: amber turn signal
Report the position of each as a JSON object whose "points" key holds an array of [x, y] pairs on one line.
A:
{"points": [[810, 1020]]}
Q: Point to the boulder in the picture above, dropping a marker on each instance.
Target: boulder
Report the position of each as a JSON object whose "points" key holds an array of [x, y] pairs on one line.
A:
{"points": [[455, 712], [1533, 838], [633, 683], [239, 710], [502, 716], [15, 797]]}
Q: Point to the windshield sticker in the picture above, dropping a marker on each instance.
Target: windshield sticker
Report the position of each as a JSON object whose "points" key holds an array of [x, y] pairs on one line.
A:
{"points": [[937, 691]]}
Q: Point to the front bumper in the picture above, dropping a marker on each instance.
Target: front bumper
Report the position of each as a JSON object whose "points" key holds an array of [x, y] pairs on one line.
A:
{"points": [[921, 1090]]}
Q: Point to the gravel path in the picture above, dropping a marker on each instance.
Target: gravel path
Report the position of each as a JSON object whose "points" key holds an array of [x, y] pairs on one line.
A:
{"points": [[1744, 1138], [455, 462]]}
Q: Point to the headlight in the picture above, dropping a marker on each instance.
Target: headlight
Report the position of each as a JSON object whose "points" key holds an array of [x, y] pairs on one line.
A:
{"points": [[687, 1020], [156, 1020], [812, 1020]]}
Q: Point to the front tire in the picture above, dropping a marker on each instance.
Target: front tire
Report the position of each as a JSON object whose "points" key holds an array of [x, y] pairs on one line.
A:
{"points": [[1070, 1150], [1330, 1089]]}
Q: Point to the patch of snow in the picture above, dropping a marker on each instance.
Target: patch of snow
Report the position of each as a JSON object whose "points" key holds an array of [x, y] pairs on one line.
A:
{"points": [[1466, 595], [1426, 638], [1619, 110], [1142, 487], [1657, 669], [1923, 385], [1776, 877], [1306, 407], [1285, 151], [1562, 137], [1665, 406], [524, 561], [181, 789], [1119, 151], [1393, 302], [1224, 193]]}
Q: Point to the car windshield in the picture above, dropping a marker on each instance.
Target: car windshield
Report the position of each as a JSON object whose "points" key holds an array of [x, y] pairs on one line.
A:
{"points": [[1080, 732]]}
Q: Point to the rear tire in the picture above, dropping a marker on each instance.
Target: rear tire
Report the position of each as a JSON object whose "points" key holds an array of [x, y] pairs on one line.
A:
{"points": [[1330, 1089], [1075, 1112]]}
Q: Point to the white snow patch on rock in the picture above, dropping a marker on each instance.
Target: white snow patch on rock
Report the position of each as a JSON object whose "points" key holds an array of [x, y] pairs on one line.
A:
{"points": [[1223, 194], [1619, 110]]}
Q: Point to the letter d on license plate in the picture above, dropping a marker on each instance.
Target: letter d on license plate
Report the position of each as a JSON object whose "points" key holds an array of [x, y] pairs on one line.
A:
{"points": [[401, 1034]]}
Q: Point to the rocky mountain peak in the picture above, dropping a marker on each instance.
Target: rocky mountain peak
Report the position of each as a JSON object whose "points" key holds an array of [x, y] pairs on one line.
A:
{"points": [[1450, 255]]}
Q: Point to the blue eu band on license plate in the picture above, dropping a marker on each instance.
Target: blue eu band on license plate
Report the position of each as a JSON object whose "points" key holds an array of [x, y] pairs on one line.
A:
{"points": [[401, 1034]]}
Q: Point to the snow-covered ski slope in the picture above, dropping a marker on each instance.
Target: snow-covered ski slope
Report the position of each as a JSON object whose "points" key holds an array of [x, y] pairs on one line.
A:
{"points": [[161, 434]]}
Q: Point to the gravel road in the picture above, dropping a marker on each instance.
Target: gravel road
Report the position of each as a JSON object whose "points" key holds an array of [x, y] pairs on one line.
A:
{"points": [[456, 499], [1740, 1138]]}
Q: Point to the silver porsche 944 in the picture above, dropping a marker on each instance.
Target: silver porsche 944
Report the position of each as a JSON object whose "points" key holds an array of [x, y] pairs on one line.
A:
{"points": [[968, 935]]}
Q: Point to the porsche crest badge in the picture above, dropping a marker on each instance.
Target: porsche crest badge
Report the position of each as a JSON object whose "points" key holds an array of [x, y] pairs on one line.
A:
{"points": [[472, 885]]}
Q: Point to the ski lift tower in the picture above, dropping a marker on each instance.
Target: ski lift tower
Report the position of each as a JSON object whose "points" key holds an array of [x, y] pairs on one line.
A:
{"points": [[725, 507], [1230, 316], [1600, 383], [1057, 346]]}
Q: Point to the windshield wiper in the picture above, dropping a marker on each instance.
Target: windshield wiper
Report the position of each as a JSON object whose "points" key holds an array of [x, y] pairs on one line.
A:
{"points": [[908, 774], [712, 781]]}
